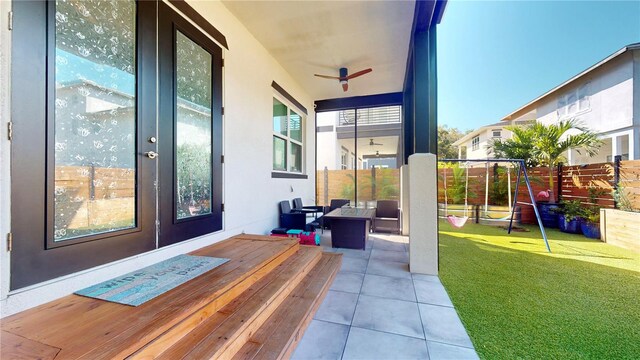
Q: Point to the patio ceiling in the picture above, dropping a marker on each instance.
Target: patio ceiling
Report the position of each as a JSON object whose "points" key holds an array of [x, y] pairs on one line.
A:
{"points": [[319, 37]]}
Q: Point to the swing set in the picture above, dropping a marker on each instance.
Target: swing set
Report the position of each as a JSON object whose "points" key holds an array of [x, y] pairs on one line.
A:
{"points": [[460, 221]]}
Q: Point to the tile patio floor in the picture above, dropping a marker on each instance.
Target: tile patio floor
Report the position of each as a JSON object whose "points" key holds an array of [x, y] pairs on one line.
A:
{"points": [[377, 309]]}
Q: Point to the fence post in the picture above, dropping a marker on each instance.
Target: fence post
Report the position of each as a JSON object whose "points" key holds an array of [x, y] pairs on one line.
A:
{"points": [[616, 179], [92, 184], [373, 183], [559, 181], [326, 186]]}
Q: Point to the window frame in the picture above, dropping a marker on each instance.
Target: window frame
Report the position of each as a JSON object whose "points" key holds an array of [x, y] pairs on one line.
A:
{"points": [[494, 131], [563, 104], [475, 143], [344, 158], [288, 139], [51, 97]]}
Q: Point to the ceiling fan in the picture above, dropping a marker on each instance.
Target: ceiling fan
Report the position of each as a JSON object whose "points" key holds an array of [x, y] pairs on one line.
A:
{"points": [[372, 143], [344, 77]]}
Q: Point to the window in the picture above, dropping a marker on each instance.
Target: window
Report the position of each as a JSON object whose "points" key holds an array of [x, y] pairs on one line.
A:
{"points": [[475, 143], [344, 159], [496, 133], [288, 146], [574, 102]]}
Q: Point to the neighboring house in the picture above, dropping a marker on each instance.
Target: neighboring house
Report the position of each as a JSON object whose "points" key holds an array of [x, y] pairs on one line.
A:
{"points": [[190, 120], [476, 144], [605, 98]]}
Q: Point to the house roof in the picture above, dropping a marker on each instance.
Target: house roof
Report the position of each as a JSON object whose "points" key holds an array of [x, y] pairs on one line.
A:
{"points": [[530, 105], [319, 37], [462, 140]]}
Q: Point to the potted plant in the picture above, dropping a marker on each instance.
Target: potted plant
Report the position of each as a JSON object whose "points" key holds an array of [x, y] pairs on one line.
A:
{"points": [[548, 211], [590, 225], [570, 216], [550, 144], [546, 145]]}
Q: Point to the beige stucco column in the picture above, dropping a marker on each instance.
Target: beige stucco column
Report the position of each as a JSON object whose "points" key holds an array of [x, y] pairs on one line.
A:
{"points": [[404, 198], [423, 214]]}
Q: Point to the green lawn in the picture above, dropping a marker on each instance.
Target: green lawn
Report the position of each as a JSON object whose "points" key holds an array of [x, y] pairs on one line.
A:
{"points": [[517, 301]]}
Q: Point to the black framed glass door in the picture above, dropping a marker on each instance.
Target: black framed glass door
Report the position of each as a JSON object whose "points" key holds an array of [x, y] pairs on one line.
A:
{"points": [[83, 105], [190, 130]]}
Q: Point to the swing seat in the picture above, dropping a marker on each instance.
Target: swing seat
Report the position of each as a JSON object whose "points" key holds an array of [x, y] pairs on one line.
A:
{"points": [[457, 222]]}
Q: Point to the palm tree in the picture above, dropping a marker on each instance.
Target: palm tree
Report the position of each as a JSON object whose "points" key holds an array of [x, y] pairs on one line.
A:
{"points": [[539, 144], [550, 142], [520, 146]]}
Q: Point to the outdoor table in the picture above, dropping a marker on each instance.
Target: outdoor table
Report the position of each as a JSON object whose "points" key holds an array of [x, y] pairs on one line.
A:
{"points": [[350, 227]]}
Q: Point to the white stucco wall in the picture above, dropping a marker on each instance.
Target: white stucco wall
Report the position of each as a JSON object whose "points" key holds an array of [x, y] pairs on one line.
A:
{"points": [[250, 194], [610, 96], [485, 138], [610, 113], [328, 147]]}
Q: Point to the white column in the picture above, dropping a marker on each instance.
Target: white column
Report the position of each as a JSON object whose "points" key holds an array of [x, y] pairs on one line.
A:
{"points": [[632, 145], [404, 198], [570, 157], [619, 149], [614, 147], [423, 214]]}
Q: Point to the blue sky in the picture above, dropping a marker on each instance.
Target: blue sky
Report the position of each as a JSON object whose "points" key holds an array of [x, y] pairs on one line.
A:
{"points": [[495, 56]]}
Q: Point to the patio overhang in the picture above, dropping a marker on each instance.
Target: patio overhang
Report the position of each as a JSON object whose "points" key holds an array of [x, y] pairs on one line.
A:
{"points": [[301, 39], [396, 39]]}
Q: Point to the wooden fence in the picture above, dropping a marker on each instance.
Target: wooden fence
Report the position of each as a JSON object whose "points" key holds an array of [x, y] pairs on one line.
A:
{"points": [[373, 184], [583, 183], [92, 197]]}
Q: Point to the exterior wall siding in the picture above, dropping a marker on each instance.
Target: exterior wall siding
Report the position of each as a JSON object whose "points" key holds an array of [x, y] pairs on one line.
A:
{"points": [[611, 111], [610, 96], [485, 138]]}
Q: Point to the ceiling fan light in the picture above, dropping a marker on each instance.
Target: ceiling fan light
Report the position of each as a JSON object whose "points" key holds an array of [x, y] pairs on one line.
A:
{"points": [[342, 82]]}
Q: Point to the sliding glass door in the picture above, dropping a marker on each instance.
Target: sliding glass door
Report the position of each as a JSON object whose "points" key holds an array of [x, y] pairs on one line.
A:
{"points": [[359, 154]]}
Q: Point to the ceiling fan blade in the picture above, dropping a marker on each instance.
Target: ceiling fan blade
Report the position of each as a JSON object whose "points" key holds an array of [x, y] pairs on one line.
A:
{"points": [[345, 86], [327, 77], [359, 73]]}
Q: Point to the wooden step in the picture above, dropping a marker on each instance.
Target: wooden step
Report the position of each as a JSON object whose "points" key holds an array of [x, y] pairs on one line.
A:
{"points": [[82, 327], [278, 337], [225, 331]]}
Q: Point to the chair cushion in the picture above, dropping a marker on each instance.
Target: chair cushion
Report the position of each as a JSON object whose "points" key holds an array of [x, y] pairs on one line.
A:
{"points": [[387, 209], [279, 230], [285, 207]]}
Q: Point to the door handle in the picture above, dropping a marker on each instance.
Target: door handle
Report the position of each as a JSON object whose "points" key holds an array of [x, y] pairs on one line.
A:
{"points": [[151, 154]]}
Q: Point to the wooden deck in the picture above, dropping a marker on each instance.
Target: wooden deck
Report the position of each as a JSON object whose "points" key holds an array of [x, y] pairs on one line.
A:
{"points": [[256, 306]]}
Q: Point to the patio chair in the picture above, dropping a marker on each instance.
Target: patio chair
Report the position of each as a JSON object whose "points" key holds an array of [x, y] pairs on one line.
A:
{"points": [[387, 217], [298, 207], [335, 204], [293, 220]]}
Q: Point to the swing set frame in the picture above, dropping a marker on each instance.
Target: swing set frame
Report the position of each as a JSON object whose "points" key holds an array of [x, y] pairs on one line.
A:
{"points": [[522, 171]]}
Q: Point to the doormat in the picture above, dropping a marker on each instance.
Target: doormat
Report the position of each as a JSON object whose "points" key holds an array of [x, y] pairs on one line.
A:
{"points": [[140, 286]]}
